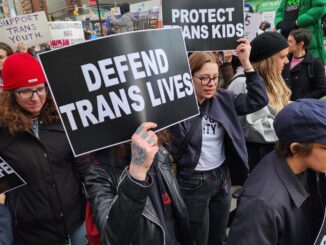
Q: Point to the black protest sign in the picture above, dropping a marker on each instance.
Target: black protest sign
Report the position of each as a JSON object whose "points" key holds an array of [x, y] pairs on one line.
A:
{"points": [[9, 179], [207, 25], [105, 88]]}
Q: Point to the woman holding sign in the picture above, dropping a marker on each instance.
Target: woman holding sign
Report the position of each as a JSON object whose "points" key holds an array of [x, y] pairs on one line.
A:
{"points": [[134, 195], [269, 61], [207, 147], [50, 209]]}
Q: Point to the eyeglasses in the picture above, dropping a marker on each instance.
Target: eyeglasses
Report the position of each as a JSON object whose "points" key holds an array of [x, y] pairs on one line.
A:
{"points": [[28, 93], [205, 80]]}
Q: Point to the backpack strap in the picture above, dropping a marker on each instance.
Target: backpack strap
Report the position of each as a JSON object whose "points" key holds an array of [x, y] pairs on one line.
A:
{"points": [[235, 77]]}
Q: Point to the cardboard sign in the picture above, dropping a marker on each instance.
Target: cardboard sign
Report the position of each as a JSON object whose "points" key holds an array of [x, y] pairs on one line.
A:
{"points": [[31, 29], [207, 25], [252, 23], [104, 89], [9, 179], [65, 33]]}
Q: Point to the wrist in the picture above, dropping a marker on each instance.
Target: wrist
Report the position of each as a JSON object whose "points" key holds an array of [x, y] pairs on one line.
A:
{"points": [[249, 69], [138, 172], [246, 66]]}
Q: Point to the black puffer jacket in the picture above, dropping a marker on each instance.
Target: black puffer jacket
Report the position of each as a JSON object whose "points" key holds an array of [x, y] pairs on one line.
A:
{"points": [[52, 205], [307, 79], [122, 210]]}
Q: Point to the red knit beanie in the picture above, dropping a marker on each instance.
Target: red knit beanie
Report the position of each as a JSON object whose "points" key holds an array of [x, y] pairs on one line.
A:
{"points": [[21, 70]]}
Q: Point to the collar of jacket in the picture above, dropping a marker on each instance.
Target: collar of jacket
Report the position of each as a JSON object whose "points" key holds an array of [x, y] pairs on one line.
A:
{"points": [[295, 189], [308, 58], [180, 210]]}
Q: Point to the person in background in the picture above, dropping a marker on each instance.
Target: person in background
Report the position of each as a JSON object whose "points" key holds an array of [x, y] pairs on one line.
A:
{"points": [[216, 144], [126, 21], [133, 193], [5, 223], [282, 201], [5, 51], [228, 66], [305, 74], [50, 209], [268, 61], [294, 14]]}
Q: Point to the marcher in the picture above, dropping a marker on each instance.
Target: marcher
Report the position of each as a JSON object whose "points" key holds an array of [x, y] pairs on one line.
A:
{"points": [[305, 74], [216, 144], [268, 61], [281, 202], [50, 209], [5, 51], [126, 21], [5, 223], [134, 195], [291, 15]]}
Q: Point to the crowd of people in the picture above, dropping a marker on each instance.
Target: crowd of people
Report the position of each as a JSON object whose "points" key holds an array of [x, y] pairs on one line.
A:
{"points": [[262, 126]]}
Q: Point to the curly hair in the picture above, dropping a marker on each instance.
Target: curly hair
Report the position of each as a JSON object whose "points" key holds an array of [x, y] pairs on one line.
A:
{"points": [[277, 91], [119, 155], [15, 119]]}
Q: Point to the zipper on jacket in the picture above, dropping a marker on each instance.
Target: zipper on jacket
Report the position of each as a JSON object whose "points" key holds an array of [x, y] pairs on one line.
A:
{"points": [[151, 219]]}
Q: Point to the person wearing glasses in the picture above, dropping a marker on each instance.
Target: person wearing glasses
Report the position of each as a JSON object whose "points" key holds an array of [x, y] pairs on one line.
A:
{"points": [[50, 208], [216, 144]]}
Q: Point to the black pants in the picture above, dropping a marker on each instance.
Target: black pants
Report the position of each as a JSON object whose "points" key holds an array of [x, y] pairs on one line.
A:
{"points": [[207, 195]]}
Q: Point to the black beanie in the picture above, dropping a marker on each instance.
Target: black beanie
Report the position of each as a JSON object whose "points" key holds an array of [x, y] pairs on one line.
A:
{"points": [[266, 45]]}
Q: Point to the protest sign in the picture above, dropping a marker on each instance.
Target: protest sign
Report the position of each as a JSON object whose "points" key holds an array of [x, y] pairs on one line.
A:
{"points": [[31, 29], [252, 23], [207, 25], [65, 33], [9, 179], [104, 89]]}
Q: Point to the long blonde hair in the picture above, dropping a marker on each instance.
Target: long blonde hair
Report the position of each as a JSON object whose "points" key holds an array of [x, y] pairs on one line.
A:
{"points": [[277, 91]]}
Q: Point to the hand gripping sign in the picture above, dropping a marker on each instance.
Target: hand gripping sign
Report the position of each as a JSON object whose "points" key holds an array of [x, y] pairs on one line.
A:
{"points": [[106, 87]]}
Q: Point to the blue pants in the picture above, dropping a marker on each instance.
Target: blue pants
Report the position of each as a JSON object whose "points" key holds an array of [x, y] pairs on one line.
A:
{"points": [[79, 236], [207, 196]]}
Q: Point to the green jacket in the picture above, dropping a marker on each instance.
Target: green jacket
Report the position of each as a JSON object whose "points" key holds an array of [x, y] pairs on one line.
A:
{"points": [[309, 17]]}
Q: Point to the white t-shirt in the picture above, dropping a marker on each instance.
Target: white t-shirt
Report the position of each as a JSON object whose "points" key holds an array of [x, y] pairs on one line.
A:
{"points": [[212, 150]]}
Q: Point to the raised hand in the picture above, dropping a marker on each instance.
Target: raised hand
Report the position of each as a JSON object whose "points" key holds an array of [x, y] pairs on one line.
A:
{"points": [[143, 149], [243, 51]]}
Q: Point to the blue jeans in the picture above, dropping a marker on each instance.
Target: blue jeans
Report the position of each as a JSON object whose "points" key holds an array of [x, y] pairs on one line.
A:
{"points": [[207, 195], [79, 236]]}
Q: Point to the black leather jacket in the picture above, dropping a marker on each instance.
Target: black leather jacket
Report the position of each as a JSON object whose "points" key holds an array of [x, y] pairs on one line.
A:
{"points": [[123, 211]]}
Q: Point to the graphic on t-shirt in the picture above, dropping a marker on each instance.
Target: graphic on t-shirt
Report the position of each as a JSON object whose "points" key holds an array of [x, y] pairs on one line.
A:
{"points": [[292, 5], [209, 125]]}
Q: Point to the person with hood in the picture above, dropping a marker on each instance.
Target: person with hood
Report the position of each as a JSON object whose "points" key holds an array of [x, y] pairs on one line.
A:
{"points": [[126, 21]]}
